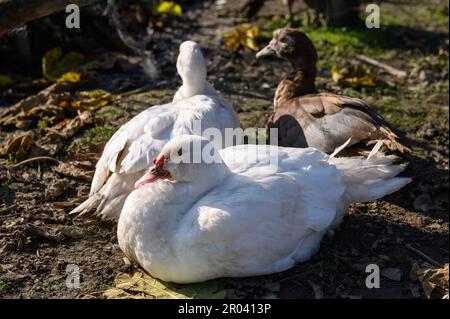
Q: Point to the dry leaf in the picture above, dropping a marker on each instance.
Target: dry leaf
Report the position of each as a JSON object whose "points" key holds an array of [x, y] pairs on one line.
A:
{"points": [[353, 76], [72, 77], [18, 145], [42, 106], [243, 36], [91, 100], [434, 280], [53, 141], [55, 64], [169, 8], [141, 285]]}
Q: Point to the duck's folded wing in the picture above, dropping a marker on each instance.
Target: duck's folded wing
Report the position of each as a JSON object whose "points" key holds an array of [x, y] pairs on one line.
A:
{"points": [[347, 117], [337, 117], [119, 144], [157, 133]]}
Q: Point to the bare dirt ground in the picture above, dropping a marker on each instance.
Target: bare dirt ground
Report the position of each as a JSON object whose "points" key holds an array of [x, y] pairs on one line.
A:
{"points": [[38, 238]]}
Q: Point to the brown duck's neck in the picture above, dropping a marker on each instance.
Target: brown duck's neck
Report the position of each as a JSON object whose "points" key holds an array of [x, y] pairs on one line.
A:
{"points": [[300, 83]]}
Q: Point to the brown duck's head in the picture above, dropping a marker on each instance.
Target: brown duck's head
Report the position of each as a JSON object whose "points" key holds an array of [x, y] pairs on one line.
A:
{"points": [[293, 46]]}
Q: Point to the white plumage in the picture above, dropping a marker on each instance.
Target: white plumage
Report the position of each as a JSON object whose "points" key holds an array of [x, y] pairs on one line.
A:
{"points": [[238, 217], [132, 148]]}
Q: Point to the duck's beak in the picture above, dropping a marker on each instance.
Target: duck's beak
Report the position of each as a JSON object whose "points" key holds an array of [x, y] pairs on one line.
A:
{"points": [[266, 51], [153, 174]]}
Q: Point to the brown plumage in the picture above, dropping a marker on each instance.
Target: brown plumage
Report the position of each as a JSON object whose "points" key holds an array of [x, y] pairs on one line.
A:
{"points": [[325, 121]]}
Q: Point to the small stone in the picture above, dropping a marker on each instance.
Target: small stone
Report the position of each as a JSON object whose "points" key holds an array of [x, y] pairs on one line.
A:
{"points": [[394, 274]]}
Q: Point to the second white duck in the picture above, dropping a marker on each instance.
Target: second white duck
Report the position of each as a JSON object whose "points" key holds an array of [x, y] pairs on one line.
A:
{"points": [[190, 222], [131, 149]]}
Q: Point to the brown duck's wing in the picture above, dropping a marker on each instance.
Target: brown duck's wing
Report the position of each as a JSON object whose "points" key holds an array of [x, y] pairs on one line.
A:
{"points": [[326, 121]]}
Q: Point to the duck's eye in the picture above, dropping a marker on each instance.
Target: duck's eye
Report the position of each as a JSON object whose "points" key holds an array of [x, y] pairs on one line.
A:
{"points": [[283, 40], [180, 152]]}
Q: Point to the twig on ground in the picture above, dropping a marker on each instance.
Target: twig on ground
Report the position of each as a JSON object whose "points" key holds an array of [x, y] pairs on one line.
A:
{"points": [[423, 255], [391, 70], [34, 159], [8, 209]]}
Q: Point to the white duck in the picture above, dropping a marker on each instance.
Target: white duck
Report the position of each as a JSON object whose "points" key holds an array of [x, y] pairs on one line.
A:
{"points": [[132, 148], [190, 222]]}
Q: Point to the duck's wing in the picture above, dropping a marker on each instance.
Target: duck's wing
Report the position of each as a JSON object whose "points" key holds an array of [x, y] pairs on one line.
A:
{"points": [[120, 143], [258, 222], [329, 120], [193, 115]]}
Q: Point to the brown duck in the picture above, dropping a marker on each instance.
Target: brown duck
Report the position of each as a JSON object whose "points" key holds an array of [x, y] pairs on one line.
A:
{"points": [[306, 118]]}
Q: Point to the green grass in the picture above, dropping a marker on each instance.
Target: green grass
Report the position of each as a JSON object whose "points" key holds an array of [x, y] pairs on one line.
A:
{"points": [[426, 15], [95, 135], [4, 285], [15, 158], [99, 134], [372, 40], [50, 284], [44, 124], [92, 229]]}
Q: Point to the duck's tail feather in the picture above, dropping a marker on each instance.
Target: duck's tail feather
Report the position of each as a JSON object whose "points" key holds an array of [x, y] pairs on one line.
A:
{"points": [[88, 205], [107, 203], [370, 179], [101, 175]]}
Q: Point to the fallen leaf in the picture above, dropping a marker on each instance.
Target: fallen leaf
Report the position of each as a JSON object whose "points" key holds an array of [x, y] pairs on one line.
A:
{"points": [[44, 106], [18, 145], [55, 64], [72, 77], [53, 141], [141, 285], [169, 8], [243, 36], [115, 293], [91, 100], [434, 281], [353, 76]]}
